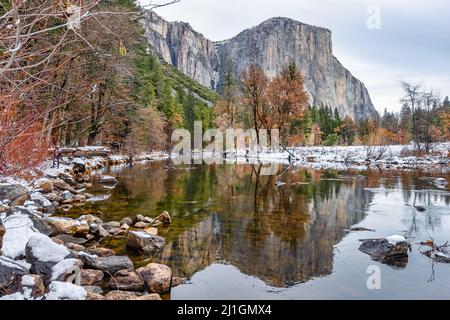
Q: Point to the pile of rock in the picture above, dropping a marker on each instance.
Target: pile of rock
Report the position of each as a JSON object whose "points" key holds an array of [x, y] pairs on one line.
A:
{"points": [[47, 257], [51, 263]]}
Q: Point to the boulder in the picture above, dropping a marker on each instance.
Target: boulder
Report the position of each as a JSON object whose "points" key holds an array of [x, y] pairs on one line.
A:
{"points": [[10, 274], [126, 281], [44, 184], [94, 296], [101, 252], [109, 265], [33, 283], [98, 230], [43, 254], [108, 181], [140, 225], [89, 218], [79, 168], [67, 178], [63, 186], [145, 242], [126, 295], [68, 226], [67, 196], [13, 192], [89, 277], [67, 270], [53, 197], [118, 231], [93, 289], [385, 251], [65, 291], [110, 225], [75, 246], [164, 218], [157, 277], [129, 221], [66, 239], [38, 223], [125, 227]]}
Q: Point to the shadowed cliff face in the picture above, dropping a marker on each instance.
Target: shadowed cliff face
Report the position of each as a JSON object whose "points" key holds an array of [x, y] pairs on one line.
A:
{"points": [[272, 44]]}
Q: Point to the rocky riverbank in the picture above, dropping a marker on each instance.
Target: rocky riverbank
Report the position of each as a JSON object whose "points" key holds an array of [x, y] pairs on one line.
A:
{"points": [[44, 257]]}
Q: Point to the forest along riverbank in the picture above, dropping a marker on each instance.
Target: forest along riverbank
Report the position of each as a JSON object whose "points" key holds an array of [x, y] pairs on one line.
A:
{"points": [[45, 257]]}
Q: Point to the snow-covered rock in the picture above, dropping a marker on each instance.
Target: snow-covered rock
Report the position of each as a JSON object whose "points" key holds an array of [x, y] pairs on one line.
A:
{"points": [[65, 291], [43, 254]]}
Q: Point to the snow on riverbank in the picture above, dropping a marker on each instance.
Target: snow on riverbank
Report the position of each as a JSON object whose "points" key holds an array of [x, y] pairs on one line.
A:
{"points": [[342, 157]]}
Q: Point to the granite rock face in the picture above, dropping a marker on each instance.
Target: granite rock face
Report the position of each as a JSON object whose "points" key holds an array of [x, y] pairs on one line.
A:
{"points": [[272, 44]]}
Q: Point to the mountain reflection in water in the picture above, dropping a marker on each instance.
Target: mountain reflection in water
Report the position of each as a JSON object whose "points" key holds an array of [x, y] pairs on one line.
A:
{"points": [[230, 215]]}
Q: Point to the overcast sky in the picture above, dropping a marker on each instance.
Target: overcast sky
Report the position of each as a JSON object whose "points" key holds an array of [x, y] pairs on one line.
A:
{"points": [[412, 43]]}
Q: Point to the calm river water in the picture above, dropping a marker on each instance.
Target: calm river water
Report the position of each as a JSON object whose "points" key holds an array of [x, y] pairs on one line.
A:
{"points": [[237, 235]]}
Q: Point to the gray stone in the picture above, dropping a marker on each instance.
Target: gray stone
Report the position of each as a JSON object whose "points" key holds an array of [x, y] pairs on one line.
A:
{"points": [[109, 265], [10, 275], [145, 242], [12, 192]]}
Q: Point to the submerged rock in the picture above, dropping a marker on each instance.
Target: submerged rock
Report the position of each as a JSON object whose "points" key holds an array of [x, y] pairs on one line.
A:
{"points": [[157, 277], [145, 242], [388, 250]]}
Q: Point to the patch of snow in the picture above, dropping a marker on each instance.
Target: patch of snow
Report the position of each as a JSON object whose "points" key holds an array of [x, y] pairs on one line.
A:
{"points": [[28, 280], [87, 255], [395, 239], [65, 291], [19, 229], [44, 249]]}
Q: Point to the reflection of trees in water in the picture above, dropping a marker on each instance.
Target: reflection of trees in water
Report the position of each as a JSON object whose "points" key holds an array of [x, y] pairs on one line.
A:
{"points": [[282, 235]]}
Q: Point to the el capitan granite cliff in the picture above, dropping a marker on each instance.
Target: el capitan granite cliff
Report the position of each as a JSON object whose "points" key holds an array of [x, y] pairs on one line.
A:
{"points": [[272, 44]]}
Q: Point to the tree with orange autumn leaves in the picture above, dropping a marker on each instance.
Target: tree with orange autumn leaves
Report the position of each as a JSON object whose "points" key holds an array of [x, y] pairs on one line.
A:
{"points": [[276, 103]]}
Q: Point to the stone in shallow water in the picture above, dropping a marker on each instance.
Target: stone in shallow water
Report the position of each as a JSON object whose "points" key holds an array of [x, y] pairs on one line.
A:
{"points": [[145, 242], [386, 252]]}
